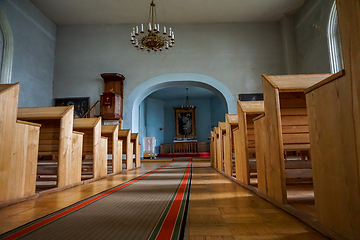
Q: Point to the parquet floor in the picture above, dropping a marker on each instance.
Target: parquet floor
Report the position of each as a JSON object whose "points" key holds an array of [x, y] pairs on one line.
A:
{"points": [[221, 209]]}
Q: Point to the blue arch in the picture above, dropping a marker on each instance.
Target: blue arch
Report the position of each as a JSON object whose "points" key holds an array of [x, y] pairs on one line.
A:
{"points": [[131, 110]]}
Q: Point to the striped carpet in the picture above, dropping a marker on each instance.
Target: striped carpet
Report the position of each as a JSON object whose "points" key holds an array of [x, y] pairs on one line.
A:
{"points": [[151, 206]]}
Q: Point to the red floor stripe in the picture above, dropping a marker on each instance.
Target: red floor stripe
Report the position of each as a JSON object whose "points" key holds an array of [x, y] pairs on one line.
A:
{"points": [[168, 226], [70, 210]]}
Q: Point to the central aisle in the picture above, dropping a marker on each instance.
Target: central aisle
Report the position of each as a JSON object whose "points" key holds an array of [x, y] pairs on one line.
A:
{"points": [[151, 206]]}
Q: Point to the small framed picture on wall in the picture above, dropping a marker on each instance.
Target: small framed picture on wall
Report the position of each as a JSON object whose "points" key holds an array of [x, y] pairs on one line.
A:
{"points": [[81, 104]]}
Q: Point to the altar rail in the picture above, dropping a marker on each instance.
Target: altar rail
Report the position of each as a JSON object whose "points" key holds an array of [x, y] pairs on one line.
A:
{"points": [[185, 147]]}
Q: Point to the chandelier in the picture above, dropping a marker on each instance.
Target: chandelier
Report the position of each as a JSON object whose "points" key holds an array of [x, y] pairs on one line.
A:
{"points": [[187, 105], [152, 39]]}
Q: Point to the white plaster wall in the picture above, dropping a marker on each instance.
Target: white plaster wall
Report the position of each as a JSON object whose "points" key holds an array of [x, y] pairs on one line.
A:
{"points": [[235, 54], [34, 50]]}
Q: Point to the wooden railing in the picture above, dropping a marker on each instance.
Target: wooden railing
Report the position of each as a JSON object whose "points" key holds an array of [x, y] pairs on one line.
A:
{"points": [[88, 113], [185, 147]]}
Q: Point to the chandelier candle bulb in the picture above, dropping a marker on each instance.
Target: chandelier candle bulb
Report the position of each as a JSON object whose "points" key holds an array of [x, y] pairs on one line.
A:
{"points": [[142, 28], [158, 27], [149, 27], [165, 30], [137, 30], [170, 32]]}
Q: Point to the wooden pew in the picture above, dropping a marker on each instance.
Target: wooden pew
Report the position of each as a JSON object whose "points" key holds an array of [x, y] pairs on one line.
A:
{"points": [[103, 165], [125, 136], [287, 124], [212, 149], [93, 147], [217, 148], [136, 148], [114, 164], [55, 145], [261, 146], [231, 122], [221, 142], [334, 124], [247, 111], [18, 149]]}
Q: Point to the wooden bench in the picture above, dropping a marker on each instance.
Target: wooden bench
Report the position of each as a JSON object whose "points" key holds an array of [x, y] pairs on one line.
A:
{"points": [[114, 164], [212, 149], [55, 155], [136, 148], [245, 139], [217, 146], [220, 145], [231, 122], [18, 149], [125, 136], [287, 126], [93, 148]]}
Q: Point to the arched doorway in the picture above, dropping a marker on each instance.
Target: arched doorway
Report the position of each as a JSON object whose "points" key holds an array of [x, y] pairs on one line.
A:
{"points": [[131, 110]]}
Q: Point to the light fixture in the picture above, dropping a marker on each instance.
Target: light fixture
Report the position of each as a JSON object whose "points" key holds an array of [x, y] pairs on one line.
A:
{"points": [[152, 39], [187, 104]]}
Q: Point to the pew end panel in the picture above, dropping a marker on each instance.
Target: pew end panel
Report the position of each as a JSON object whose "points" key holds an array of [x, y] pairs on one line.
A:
{"points": [[222, 138], [136, 148], [21, 170], [103, 157], [55, 143], [125, 136], [231, 121], [112, 133], [247, 110], [336, 179], [91, 127], [76, 157], [218, 148]]}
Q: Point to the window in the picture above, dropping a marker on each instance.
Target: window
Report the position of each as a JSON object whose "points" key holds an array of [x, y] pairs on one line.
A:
{"points": [[334, 41]]}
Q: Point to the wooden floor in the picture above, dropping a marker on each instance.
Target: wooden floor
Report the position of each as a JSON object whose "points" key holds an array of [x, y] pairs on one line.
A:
{"points": [[219, 208]]}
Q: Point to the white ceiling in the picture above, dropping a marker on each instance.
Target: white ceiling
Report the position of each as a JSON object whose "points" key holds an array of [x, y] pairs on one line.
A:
{"points": [[179, 92], [73, 12]]}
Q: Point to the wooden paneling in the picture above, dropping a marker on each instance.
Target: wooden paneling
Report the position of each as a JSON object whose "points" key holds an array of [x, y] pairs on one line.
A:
{"points": [[261, 145]]}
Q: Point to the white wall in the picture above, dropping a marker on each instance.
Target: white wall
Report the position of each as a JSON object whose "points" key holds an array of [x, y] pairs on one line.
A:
{"points": [[34, 50], [235, 54]]}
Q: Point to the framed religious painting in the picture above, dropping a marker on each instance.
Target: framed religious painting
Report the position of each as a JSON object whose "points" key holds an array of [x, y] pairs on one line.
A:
{"points": [[81, 104], [185, 128]]}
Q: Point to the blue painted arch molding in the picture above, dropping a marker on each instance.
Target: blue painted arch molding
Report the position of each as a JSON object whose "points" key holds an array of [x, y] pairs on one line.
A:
{"points": [[131, 110]]}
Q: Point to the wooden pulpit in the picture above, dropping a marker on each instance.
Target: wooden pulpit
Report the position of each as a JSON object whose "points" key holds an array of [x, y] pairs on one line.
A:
{"points": [[111, 102]]}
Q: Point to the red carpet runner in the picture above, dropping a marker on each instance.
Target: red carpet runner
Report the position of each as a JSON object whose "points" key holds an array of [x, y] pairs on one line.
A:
{"points": [[151, 206]]}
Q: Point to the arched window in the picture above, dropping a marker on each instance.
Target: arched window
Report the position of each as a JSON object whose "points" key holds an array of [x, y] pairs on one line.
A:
{"points": [[7, 49], [336, 58]]}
